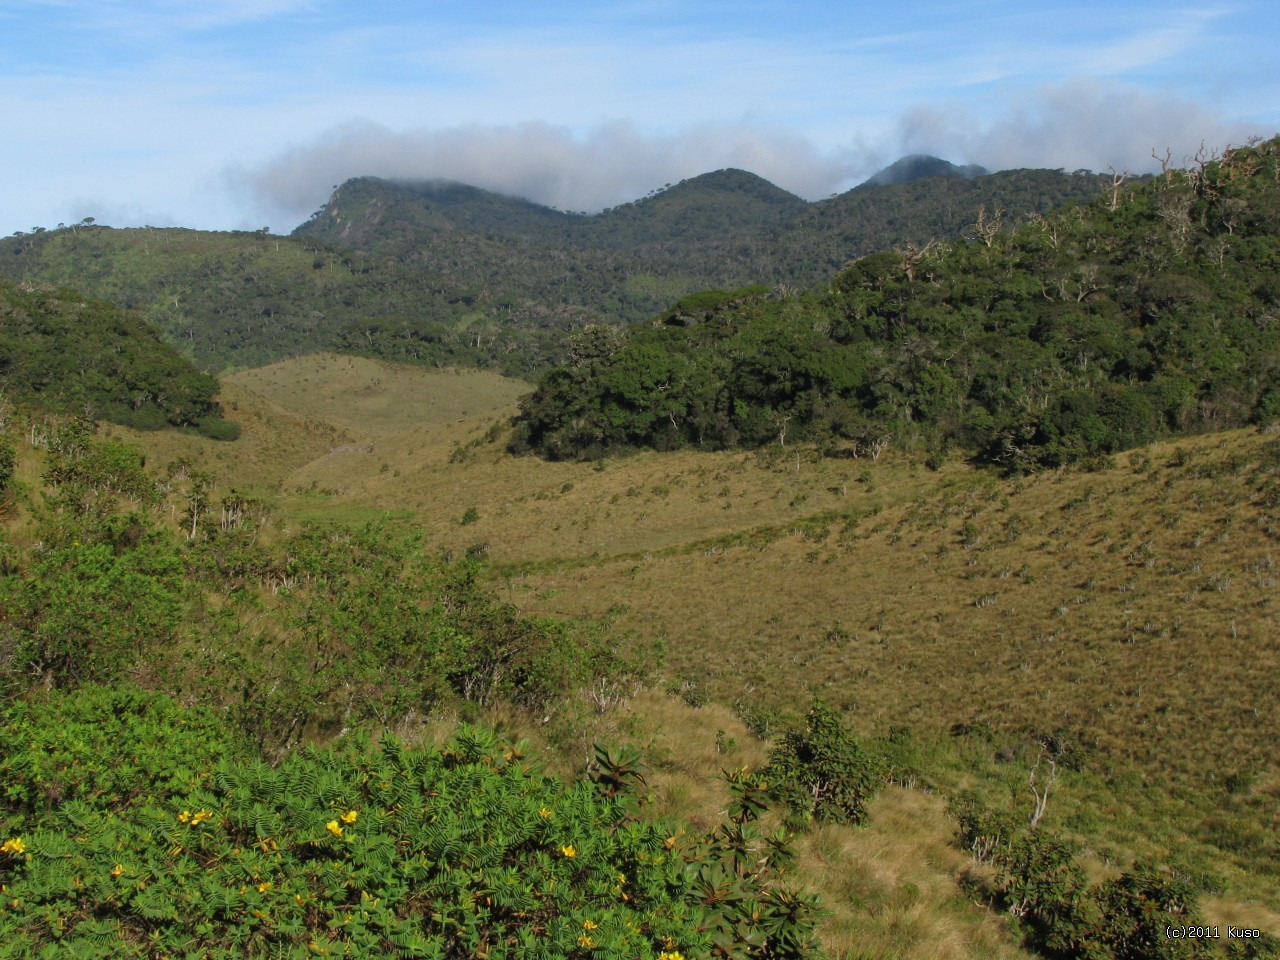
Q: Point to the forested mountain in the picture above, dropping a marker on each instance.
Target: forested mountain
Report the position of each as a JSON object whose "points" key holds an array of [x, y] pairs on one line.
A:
{"points": [[916, 167], [444, 273], [1151, 311], [83, 356]]}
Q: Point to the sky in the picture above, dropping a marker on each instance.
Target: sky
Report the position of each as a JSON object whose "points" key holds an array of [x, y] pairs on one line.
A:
{"points": [[240, 114]]}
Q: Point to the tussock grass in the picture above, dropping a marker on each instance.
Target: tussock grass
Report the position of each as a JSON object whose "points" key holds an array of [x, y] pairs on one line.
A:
{"points": [[891, 886], [1129, 612]]}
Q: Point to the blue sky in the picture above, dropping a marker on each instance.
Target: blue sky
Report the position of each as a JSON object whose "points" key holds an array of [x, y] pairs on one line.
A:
{"points": [[244, 113]]}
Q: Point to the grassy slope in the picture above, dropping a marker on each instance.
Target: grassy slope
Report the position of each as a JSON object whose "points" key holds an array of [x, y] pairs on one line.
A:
{"points": [[1133, 609]]}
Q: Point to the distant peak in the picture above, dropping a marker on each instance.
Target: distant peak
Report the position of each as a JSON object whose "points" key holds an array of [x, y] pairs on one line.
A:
{"points": [[919, 165]]}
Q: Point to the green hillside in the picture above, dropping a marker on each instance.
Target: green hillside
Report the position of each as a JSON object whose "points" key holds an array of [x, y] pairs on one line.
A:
{"points": [[68, 353], [448, 274], [925, 612], [1145, 314]]}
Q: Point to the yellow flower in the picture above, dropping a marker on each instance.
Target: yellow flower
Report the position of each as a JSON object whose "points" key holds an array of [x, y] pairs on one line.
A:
{"points": [[568, 851], [14, 846], [544, 813], [671, 955], [585, 941], [184, 816], [264, 886], [117, 870], [332, 827], [589, 925], [200, 817], [350, 816]]}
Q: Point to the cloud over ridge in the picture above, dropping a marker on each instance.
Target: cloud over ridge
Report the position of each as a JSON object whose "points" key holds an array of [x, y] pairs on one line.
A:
{"points": [[1076, 124]]}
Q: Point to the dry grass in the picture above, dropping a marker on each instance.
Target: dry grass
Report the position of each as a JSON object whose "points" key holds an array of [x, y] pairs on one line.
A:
{"points": [[891, 887], [1133, 608], [374, 398], [1137, 608]]}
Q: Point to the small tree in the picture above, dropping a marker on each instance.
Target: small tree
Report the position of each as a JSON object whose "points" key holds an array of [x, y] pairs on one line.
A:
{"points": [[823, 774]]}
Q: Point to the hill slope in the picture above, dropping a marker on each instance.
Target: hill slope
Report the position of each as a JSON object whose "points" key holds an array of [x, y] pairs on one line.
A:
{"points": [[449, 274], [65, 352], [977, 616], [1147, 313]]}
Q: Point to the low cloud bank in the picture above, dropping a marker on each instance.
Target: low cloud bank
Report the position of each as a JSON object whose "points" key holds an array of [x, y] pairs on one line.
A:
{"points": [[1085, 124], [1080, 124]]}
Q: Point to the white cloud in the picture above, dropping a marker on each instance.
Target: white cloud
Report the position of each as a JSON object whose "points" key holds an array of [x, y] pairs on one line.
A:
{"points": [[1082, 123], [1079, 124], [610, 164]]}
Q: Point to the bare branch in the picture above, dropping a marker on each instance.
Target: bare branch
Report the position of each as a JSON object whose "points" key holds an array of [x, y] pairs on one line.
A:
{"points": [[1041, 794]]}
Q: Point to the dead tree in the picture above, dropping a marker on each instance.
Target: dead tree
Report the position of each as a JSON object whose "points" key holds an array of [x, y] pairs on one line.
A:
{"points": [[1117, 180], [1041, 793], [987, 229]]}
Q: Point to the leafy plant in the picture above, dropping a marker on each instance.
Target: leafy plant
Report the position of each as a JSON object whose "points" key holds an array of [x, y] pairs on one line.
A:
{"points": [[823, 774]]}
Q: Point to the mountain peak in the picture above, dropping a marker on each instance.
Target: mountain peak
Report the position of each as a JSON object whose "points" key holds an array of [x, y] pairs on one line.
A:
{"points": [[917, 166]]}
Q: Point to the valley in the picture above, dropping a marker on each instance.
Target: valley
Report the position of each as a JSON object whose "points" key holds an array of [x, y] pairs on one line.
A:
{"points": [[918, 604], [1126, 612]]}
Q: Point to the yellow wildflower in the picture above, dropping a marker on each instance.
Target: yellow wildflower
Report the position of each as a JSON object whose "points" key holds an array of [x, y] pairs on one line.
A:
{"points": [[264, 886], [117, 870], [585, 941], [669, 842], [544, 813], [671, 955], [184, 816], [332, 827], [350, 817], [13, 845], [200, 817], [589, 925], [568, 851]]}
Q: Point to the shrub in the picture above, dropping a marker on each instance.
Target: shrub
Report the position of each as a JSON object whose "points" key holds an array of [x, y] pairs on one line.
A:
{"points": [[823, 774], [218, 428], [366, 852]]}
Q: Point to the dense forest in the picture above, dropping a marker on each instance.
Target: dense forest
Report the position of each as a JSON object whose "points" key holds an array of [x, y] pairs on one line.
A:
{"points": [[85, 356], [449, 274], [1148, 312]]}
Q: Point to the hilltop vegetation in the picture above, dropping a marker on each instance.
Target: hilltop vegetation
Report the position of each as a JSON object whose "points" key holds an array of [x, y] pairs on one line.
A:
{"points": [[75, 354], [451, 275], [1150, 312]]}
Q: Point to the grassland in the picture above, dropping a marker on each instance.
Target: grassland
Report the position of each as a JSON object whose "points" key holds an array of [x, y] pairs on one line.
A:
{"points": [[1128, 613]]}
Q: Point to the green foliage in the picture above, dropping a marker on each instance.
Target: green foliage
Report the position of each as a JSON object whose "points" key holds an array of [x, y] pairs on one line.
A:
{"points": [[445, 273], [823, 774], [293, 636], [8, 460], [617, 770], [81, 465], [357, 851], [1087, 332], [109, 746], [94, 599], [70, 353], [218, 428], [738, 875], [1040, 881]]}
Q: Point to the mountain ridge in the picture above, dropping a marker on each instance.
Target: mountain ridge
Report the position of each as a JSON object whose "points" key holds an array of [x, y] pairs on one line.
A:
{"points": [[450, 274]]}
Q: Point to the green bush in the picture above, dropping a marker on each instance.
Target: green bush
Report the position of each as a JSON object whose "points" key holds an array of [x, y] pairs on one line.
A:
{"points": [[360, 851], [218, 428], [823, 774]]}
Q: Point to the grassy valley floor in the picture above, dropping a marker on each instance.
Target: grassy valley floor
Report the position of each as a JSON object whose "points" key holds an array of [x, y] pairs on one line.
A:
{"points": [[1127, 616]]}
